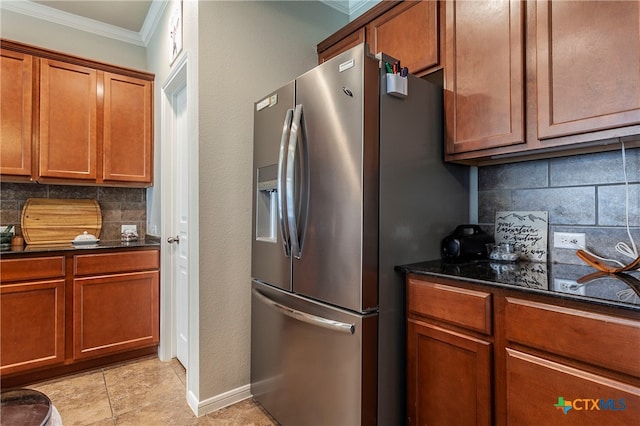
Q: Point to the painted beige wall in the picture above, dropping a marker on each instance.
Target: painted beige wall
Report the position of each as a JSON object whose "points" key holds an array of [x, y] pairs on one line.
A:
{"points": [[236, 49], [37, 32], [157, 54], [246, 49]]}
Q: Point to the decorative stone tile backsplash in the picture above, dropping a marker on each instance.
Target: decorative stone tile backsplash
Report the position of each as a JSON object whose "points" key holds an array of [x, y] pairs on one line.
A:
{"points": [[119, 206], [583, 193]]}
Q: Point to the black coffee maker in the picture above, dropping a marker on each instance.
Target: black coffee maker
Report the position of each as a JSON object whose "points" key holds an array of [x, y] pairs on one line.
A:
{"points": [[466, 242]]}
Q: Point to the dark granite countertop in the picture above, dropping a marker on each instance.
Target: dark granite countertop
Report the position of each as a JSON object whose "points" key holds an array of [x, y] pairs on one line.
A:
{"points": [[33, 249], [550, 279]]}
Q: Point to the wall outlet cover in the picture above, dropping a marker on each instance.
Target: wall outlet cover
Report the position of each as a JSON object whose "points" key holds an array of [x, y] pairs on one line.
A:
{"points": [[128, 228], [569, 240], [568, 286]]}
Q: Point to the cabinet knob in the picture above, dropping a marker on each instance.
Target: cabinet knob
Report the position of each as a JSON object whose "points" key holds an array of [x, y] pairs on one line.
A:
{"points": [[175, 239]]}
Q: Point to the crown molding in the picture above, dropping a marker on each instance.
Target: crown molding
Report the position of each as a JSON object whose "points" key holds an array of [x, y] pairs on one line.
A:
{"points": [[39, 11], [152, 20], [350, 7], [357, 7], [142, 38], [341, 6]]}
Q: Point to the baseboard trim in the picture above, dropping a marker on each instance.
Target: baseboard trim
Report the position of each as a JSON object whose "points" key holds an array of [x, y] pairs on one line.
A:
{"points": [[209, 405]]}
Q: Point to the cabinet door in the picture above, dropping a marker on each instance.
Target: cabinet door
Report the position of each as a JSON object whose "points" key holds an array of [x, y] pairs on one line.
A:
{"points": [[540, 391], [484, 75], [408, 32], [68, 107], [128, 144], [449, 377], [31, 325], [588, 66], [16, 87], [353, 39], [114, 313]]}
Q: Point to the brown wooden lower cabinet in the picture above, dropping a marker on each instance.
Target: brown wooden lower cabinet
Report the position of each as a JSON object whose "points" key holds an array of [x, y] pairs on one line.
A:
{"points": [[114, 313], [489, 355], [68, 312], [544, 392], [32, 325], [449, 376], [449, 355]]}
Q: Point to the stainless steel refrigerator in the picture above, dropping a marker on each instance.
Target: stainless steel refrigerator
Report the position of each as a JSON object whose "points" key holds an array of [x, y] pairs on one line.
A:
{"points": [[348, 182]]}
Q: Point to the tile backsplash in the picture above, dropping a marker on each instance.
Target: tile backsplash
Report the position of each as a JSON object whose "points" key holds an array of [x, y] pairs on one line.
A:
{"points": [[582, 193], [119, 206]]}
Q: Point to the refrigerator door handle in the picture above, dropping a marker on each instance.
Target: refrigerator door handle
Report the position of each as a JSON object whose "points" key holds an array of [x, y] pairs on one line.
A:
{"points": [[293, 187], [338, 326], [282, 217]]}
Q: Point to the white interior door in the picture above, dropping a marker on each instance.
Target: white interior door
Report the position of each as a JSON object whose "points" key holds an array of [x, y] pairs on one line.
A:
{"points": [[179, 313], [181, 215]]}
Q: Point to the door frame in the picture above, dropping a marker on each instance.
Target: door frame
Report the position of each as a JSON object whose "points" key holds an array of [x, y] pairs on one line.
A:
{"points": [[183, 75]]}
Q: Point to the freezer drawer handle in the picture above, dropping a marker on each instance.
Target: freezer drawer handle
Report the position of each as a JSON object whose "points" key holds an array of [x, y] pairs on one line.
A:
{"points": [[308, 318]]}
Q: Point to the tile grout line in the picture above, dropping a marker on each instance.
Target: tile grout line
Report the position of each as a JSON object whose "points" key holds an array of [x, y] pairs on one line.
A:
{"points": [[104, 380]]}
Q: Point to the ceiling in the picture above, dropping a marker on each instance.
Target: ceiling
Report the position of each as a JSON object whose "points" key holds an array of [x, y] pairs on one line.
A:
{"points": [[127, 14], [131, 14], [131, 21]]}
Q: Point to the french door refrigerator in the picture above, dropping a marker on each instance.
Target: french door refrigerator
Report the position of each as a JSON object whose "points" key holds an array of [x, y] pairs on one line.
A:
{"points": [[348, 182]]}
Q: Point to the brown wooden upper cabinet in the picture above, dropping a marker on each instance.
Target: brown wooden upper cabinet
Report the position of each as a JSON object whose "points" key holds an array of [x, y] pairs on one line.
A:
{"points": [[68, 110], [72, 120], [353, 39], [588, 66], [540, 78], [16, 88], [484, 75], [128, 145], [406, 30]]}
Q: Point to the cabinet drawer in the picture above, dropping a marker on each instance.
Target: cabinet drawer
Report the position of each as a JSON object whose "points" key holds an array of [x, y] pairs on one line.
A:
{"points": [[32, 268], [601, 340], [542, 392], [112, 263], [467, 308]]}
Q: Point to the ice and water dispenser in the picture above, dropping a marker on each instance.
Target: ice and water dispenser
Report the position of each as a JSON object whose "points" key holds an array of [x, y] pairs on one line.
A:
{"points": [[267, 203]]}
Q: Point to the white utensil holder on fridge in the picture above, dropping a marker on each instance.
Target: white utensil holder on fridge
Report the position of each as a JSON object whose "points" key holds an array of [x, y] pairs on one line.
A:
{"points": [[397, 85]]}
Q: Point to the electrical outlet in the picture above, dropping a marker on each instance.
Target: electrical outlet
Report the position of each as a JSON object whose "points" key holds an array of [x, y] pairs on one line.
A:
{"points": [[128, 228], [568, 286], [568, 240]]}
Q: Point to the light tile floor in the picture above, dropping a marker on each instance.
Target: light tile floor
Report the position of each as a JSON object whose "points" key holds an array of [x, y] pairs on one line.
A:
{"points": [[144, 392]]}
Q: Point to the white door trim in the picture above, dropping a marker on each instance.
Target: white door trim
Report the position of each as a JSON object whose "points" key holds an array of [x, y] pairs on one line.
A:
{"points": [[183, 74]]}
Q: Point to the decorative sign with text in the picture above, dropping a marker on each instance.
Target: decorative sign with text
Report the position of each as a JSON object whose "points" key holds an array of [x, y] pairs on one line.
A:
{"points": [[528, 230]]}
